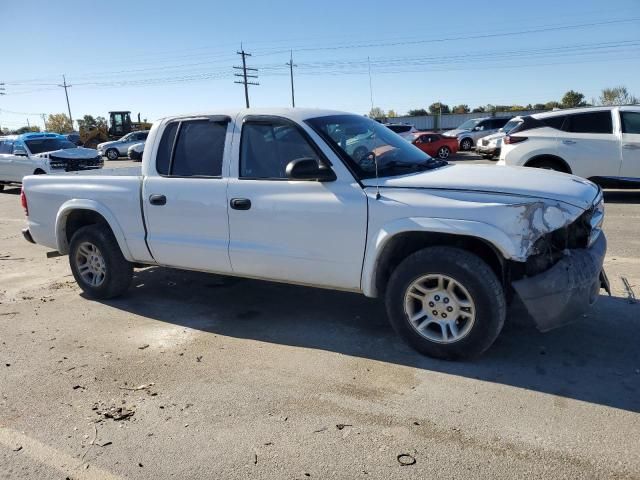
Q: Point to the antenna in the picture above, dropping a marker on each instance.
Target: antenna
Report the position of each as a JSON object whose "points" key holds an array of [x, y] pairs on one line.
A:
{"points": [[375, 161]]}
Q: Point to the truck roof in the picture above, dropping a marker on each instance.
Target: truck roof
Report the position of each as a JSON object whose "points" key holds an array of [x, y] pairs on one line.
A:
{"points": [[298, 114]]}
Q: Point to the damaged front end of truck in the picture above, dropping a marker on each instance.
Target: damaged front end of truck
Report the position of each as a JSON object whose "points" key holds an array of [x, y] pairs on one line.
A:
{"points": [[561, 273]]}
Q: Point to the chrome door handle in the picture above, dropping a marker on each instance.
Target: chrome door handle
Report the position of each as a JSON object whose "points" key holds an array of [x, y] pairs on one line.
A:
{"points": [[569, 142], [631, 146]]}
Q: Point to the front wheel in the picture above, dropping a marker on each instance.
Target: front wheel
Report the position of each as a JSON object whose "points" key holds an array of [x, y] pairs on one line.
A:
{"points": [[466, 144], [112, 154], [446, 303], [97, 263], [443, 153]]}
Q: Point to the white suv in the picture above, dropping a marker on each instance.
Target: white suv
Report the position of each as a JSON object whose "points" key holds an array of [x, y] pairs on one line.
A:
{"points": [[599, 143]]}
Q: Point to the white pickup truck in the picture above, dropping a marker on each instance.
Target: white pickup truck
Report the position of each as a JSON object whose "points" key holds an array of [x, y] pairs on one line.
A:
{"points": [[274, 194]]}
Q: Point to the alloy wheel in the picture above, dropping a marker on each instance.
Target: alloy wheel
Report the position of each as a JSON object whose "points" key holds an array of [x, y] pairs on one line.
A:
{"points": [[439, 308]]}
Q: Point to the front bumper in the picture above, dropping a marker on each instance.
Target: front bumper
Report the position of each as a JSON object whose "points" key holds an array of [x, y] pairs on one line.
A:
{"points": [[487, 149], [559, 295]]}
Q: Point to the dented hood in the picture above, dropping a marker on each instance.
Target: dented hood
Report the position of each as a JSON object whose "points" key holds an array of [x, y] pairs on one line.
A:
{"points": [[521, 181]]}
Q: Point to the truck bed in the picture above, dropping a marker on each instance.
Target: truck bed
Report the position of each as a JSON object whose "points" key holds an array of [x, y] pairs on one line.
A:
{"points": [[114, 193]]}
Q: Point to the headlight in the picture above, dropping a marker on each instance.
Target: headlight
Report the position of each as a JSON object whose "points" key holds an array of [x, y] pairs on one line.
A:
{"points": [[597, 219]]}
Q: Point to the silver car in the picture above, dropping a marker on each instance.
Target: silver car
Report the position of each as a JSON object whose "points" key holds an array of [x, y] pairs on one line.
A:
{"points": [[119, 148], [470, 131]]}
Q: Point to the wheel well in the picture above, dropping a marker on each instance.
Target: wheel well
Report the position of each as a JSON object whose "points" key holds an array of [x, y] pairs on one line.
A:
{"points": [[563, 166], [81, 218], [404, 244]]}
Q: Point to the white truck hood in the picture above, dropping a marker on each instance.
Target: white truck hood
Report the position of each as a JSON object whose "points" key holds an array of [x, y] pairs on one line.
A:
{"points": [[521, 181], [71, 153]]}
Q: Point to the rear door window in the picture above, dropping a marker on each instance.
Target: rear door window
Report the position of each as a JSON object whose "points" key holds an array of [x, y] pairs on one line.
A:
{"points": [[630, 122], [199, 149], [591, 122]]}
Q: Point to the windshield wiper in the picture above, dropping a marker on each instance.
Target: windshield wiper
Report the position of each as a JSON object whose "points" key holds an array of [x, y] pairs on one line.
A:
{"points": [[428, 165]]}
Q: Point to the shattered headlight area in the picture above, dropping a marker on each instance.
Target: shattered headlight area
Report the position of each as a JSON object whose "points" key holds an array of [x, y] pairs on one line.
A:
{"points": [[579, 234]]}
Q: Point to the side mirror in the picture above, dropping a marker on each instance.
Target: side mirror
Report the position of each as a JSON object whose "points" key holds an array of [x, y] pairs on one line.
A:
{"points": [[308, 169], [20, 152]]}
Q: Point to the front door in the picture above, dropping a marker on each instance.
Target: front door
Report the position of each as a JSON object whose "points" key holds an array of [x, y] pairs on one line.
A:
{"points": [[630, 123], [185, 199], [299, 231]]}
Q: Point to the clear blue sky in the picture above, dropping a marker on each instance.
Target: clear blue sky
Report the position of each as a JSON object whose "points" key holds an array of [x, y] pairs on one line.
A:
{"points": [[160, 58]]}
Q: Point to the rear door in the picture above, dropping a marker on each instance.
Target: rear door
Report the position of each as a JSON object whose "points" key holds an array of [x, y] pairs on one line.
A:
{"points": [[297, 231], [587, 143], [185, 200], [630, 135]]}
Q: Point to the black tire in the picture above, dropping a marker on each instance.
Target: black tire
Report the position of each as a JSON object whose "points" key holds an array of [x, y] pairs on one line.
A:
{"points": [[444, 153], [112, 154], [39, 172], [1, 187], [118, 271], [466, 144], [468, 270], [548, 164]]}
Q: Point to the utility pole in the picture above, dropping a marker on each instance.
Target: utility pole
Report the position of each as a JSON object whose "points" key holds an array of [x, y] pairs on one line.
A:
{"points": [[290, 64], [245, 76], [65, 86], [28, 124], [44, 121]]}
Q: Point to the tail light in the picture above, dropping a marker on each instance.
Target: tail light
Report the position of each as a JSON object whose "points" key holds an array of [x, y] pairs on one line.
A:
{"points": [[23, 201], [510, 139]]}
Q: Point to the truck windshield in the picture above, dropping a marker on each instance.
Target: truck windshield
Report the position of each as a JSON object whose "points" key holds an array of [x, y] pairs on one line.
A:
{"points": [[363, 142], [41, 145]]}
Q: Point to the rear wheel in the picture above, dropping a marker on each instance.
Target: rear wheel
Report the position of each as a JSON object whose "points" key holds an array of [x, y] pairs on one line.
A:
{"points": [[446, 303], [466, 144], [112, 154], [1, 187], [443, 153], [97, 263]]}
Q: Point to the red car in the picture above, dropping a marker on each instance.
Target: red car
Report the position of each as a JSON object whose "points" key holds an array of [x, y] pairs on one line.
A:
{"points": [[435, 145]]}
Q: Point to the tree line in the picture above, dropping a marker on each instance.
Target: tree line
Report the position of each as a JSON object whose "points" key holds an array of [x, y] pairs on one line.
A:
{"points": [[609, 96]]}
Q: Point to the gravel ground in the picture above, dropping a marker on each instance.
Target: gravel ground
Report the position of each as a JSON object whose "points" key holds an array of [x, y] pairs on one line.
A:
{"points": [[231, 378]]}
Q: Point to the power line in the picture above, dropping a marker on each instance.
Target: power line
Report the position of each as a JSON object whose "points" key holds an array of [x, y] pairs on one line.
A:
{"points": [[245, 76]]}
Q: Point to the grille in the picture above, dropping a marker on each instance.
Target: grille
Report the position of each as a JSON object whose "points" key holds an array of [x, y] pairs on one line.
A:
{"points": [[75, 164]]}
